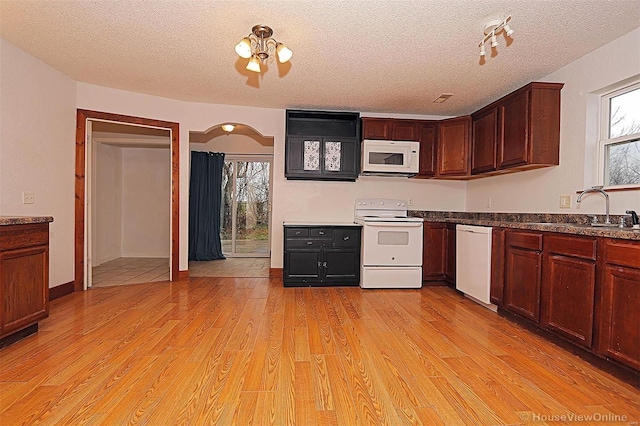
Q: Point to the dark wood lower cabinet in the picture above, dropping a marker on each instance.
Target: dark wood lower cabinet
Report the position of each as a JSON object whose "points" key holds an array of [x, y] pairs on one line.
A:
{"points": [[568, 287], [321, 255], [523, 273], [620, 298], [439, 253], [24, 276], [450, 270], [498, 242]]}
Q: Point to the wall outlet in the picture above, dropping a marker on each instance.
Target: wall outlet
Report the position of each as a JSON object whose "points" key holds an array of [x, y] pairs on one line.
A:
{"points": [[488, 203], [28, 198], [410, 201], [565, 201]]}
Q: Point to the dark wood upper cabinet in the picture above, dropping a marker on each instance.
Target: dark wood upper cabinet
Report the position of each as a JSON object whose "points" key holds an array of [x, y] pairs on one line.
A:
{"points": [[484, 141], [569, 269], [391, 129], [529, 127], [428, 136], [453, 147], [376, 128], [405, 130]]}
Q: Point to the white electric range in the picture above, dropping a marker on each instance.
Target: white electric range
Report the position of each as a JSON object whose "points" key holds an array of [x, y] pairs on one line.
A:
{"points": [[391, 244]]}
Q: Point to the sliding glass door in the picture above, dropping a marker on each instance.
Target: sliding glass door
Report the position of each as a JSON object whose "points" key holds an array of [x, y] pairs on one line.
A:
{"points": [[246, 206]]}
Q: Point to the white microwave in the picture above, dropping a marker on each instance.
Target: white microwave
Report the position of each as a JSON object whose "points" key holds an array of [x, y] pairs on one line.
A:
{"points": [[390, 158]]}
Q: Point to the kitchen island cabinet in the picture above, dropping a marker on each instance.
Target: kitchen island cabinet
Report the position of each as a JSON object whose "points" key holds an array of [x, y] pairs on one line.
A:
{"points": [[321, 255], [24, 274]]}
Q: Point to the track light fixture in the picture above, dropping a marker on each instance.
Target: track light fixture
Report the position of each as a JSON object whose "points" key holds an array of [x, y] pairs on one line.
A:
{"points": [[492, 29], [258, 45]]}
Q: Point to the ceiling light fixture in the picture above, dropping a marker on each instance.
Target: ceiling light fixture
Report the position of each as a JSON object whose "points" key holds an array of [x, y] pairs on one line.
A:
{"points": [[491, 30], [258, 45], [228, 127]]}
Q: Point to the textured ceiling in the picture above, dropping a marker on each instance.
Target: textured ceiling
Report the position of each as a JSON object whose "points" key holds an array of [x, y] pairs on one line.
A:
{"points": [[377, 56]]}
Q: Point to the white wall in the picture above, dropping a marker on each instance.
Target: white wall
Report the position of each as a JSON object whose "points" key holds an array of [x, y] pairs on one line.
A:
{"points": [[107, 207], [233, 144], [540, 190], [37, 150], [146, 202]]}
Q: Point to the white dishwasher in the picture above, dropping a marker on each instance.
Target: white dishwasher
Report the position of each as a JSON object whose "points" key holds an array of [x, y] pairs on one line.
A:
{"points": [[473, 263]]}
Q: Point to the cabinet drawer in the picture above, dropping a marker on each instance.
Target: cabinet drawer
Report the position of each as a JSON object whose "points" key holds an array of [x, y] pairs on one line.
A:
{"points": [[296, 232], [346, 237], [622, 253], [583, 247], [320, 232], [19, 236], [525, 240], [306, 243]]}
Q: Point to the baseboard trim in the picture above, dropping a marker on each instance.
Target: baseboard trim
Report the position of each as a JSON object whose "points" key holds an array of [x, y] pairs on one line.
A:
{"points": [[183, 275], [60, 290], [275, 272]]}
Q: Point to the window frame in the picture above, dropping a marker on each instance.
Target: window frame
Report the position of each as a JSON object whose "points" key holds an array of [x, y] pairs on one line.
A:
{"points": [[604, 141]]}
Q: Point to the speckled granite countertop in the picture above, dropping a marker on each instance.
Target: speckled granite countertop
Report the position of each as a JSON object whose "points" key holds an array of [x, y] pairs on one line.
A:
{"points": [[564, 223], [23, 220]]}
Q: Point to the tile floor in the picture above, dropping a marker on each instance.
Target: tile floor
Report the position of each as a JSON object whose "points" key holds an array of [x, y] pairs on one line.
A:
{"points": [[131, 270], [136, 270], [231, 267]]}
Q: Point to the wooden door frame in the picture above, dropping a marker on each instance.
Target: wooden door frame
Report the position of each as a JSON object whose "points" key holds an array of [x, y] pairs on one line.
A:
{"points": [[81, 129]]}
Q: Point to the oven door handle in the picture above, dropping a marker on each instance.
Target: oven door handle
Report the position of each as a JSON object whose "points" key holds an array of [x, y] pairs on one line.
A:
{"points": [[394, 224]]}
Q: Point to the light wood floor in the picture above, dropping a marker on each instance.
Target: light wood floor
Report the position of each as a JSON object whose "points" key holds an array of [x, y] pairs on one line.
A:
{"points": [[223, 351]]}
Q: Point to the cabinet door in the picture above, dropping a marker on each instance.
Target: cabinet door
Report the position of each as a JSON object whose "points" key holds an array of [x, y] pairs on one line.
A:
{"points": [[450, 271], [25, 287], [513, 149], [341, 157], [302, 265], [303, 157], [434, 252], [568, 297], [376, 128], [498, 241], [620, 330], [523, 273], [427, 137], [483, 142], [341, 265], [404, 130], [453, 146]]}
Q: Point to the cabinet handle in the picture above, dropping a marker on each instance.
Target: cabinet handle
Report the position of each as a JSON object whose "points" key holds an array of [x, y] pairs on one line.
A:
{"points": [[324, 264], [320, 232], [319, 264], [297, 232], [346, 238], [309, 243]]}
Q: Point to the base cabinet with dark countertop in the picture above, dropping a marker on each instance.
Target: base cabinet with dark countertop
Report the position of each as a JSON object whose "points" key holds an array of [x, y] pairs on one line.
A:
{"points": [[523, 273], [24, 275], [321, 255], [439, 253]]}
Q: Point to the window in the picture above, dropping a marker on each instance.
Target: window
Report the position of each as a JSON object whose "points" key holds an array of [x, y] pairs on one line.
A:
{"points": [[620, 137]]}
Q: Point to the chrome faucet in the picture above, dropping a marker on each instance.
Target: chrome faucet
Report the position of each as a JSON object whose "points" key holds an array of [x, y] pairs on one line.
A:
{"points": [[599, 189]]}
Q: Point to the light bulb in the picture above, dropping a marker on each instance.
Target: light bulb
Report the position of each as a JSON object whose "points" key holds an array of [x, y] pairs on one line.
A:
{"points": [[508, 30], [228, 127], [284, 53], [254, 64], [243, 49], [494, 42], [482, 51]]}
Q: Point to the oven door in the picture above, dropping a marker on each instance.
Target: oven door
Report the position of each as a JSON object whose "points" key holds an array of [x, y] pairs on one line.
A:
{"points": [[392, 244]]}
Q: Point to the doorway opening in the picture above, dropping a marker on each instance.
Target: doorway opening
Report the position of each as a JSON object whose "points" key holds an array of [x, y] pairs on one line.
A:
{"points": [[83, 214], [245, 211]]}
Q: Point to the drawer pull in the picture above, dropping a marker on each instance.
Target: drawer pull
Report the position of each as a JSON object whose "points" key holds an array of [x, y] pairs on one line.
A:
{"points": [[320, 232], [309, 243], [346, 238], [297, 232]]}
